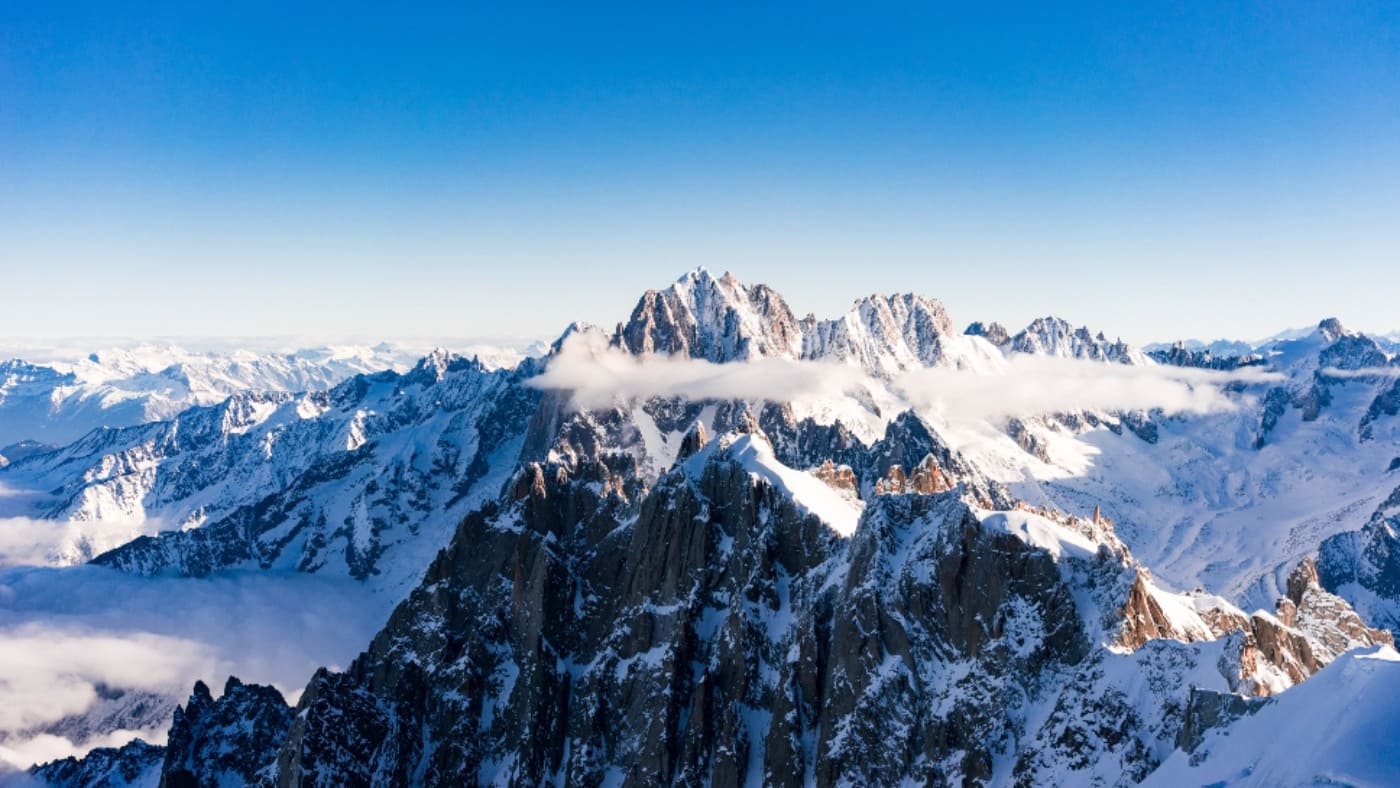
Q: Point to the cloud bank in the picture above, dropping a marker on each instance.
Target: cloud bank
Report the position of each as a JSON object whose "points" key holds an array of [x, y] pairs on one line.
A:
{"points": [[1036, 385], [69, 634], [1024, 385]]}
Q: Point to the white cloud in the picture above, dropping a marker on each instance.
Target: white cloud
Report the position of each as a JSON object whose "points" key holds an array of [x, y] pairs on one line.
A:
{"points": [[597, 376], [1037, 385], [1364, 372], [29, 542], [1024, 385], [65, 631]]}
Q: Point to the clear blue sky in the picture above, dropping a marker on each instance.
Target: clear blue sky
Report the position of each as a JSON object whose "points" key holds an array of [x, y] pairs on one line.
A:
{"points": [[1151, 169]]}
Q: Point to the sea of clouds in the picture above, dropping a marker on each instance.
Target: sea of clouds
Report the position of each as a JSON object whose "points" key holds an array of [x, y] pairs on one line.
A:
{"points": [[70, 633]]}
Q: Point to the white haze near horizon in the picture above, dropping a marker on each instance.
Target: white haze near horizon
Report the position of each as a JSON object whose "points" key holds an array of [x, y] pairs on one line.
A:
{"points": [[67, 350]]}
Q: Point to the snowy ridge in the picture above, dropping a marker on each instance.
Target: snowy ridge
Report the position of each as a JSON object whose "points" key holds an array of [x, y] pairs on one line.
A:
{"points": [[721, 319], [331, 478], [58, 394], [732, 575], [1052, 336]]}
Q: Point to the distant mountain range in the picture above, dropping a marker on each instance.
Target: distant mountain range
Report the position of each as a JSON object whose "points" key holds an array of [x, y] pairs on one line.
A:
{"points": [[53, 395], [868, 549]]}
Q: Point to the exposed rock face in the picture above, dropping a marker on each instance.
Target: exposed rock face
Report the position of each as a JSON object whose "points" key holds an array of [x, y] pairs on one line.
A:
{"points": [[883, 334], [718, 319], [1342, 358], [839, 477], [1208, 710], [728, 647], [927, 478], [695, 439], [1363, 567], [1179, 356], [710, 628], [1386, 403], [1051, 336], [721, 319], [229, 741], [995, 333], [1325, 618], [1310, 629], [225, 742], [1144, 619], [646, 603], [1026, 438]]}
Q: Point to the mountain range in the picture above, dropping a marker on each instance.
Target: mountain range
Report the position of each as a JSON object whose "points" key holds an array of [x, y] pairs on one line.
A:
{"points": [[720, 543]]}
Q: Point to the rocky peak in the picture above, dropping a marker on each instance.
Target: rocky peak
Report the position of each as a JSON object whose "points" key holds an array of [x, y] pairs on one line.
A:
{"points": [[437, 364], [1331, 329], [839, 477], [1178, 355], [883, 334], [694, 440], [228, 741], [1328, 621], [1351, 352], [134, 763], [995, 333], [717, 319], [721, 319], [927, 478], [1052, 336]]}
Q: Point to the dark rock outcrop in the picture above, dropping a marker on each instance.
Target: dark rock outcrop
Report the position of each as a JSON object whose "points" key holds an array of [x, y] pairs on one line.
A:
{"points": [[105, 767], [229, 741]]}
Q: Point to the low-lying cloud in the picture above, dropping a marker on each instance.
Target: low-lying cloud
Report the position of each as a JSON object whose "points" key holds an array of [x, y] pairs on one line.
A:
{"points": [[597, 377], [1364, 372], [26, 541], [70, 635], [1023, 386], [1037, 385]]}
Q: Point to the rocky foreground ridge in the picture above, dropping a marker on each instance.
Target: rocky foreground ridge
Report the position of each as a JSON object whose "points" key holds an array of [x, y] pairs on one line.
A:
{"points": [[590, 627]]}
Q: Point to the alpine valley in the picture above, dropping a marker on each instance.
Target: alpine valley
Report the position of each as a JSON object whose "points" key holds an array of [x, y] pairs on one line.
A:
{"points": [[717, 544]]}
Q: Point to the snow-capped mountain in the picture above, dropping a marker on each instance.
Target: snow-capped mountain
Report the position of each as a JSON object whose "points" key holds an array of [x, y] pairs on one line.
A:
{"points": [[720, 319], [55, 395], [333, 479], [1051, 336], [1220, 348], [982, 557]]}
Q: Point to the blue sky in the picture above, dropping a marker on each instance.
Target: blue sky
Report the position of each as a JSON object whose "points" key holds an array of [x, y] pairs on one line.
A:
{"points": [[1182, 169]]}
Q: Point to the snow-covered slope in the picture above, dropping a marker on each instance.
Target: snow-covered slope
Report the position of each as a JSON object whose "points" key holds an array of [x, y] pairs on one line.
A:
{"points": [[719, 624], [1233, 499], [56, 395], [863, 549], [1336, 729], [382, 463]]}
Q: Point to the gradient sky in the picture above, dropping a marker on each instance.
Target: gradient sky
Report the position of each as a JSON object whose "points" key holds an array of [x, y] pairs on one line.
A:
{"points": [[1153, 170]]}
